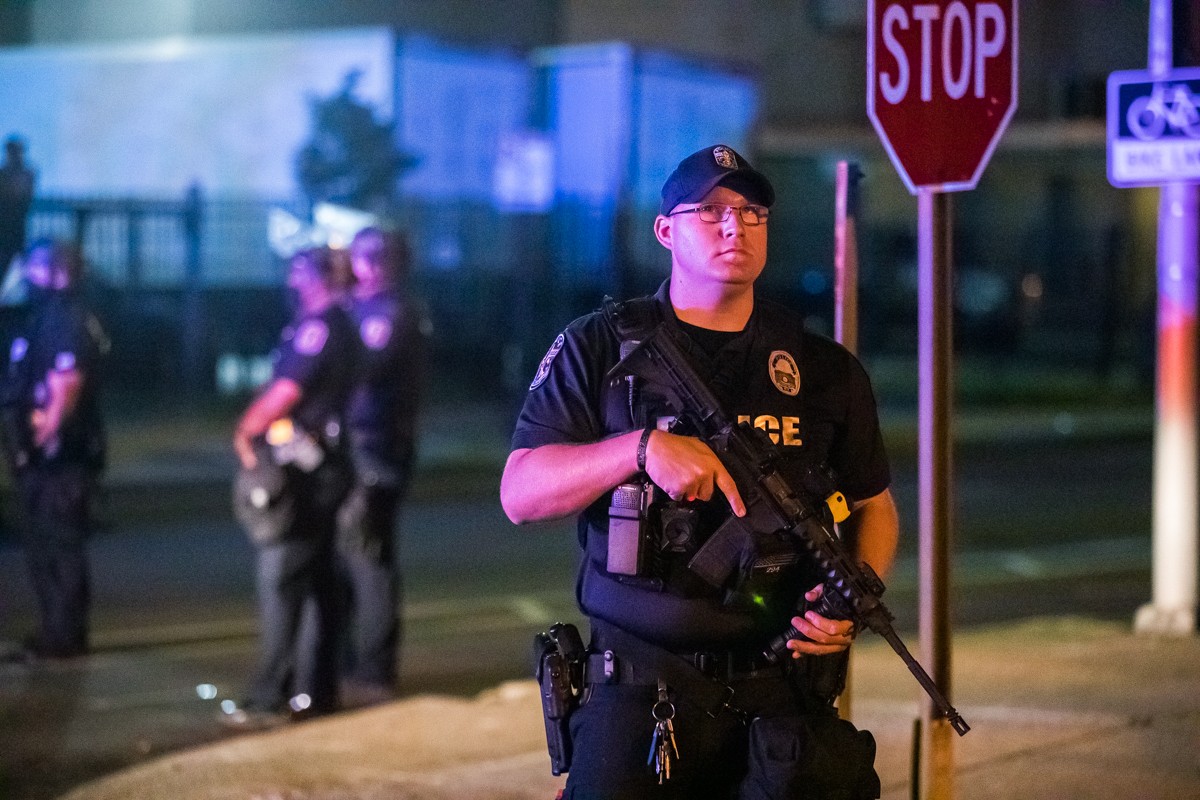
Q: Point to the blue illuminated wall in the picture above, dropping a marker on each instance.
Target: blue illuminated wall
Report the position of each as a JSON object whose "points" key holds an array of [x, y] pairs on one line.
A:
{"points": [[454, 105], [621, 120], [580, 133], [149, 118]]}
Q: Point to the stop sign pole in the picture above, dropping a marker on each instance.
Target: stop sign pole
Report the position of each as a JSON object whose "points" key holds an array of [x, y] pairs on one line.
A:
{"points": [[941, 88]]}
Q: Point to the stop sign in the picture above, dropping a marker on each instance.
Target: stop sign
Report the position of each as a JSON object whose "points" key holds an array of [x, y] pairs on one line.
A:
{"points": [[941, 85]]}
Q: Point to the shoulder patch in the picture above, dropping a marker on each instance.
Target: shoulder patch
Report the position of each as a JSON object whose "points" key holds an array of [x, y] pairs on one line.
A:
{"points": [[20, 347], [543, 370], [311, 337], [784, 372], [64, 362], [376, 332]]}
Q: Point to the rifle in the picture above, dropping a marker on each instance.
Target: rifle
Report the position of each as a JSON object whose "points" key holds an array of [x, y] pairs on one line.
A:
{"points": [[772, 504]]}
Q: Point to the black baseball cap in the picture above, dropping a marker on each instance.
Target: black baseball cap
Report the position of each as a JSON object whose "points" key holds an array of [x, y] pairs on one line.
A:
{"points": [[704, 170]]}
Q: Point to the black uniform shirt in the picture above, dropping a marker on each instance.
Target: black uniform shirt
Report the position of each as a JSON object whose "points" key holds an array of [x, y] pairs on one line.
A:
{"points": [[319, 352], [383, 405], [60, 336], [808, 392]]}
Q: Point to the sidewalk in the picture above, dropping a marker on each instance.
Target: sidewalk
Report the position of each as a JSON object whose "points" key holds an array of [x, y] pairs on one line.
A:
{"points": [[1058, 708]]}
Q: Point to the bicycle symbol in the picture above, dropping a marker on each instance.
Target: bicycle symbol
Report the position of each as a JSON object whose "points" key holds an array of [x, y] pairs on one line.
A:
{"points": [[1149, 116]]}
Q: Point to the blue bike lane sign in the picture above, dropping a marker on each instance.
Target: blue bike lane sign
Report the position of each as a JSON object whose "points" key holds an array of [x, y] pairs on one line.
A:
{"points": [[1153, 128]]}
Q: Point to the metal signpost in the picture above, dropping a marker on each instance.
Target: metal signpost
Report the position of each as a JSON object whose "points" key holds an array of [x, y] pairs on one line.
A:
{"points": [[941, 88], [1154, 140]]}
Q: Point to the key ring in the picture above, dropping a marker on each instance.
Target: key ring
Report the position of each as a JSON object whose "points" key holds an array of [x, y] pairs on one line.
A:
{"points": [[663, 709]]}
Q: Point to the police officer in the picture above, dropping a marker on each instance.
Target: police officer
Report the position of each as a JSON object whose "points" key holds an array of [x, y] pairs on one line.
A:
{"points": [[297, 421], [17, 181], [54, 440], [381, 420], [580, 434]]}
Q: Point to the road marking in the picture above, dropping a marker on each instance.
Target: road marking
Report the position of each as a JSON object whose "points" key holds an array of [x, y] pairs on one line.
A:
{"points": [[497, 610], [973, 569], [155, 699], [1052, 562], [530, 610]]}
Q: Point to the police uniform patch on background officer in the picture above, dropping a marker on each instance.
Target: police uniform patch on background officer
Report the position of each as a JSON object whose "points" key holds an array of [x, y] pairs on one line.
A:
{"points": [[64, 362], [543, 370], [784, 372], [724, 157], [375, 332], [310, 337]]}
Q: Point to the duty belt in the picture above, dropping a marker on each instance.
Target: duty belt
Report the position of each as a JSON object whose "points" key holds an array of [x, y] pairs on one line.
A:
{"points": [[725, 666], [703, 677]]}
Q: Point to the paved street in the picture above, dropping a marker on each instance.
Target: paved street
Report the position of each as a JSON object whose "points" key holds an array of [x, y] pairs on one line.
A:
{"points": [[1045, 528]]}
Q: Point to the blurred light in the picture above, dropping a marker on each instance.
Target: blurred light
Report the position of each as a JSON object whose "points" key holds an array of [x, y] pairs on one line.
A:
{"points": [[979, 293], [523, 179], [260, 371], [168, 49], [336, 225], [228, 706], [813, 281], [237, 373], [229, 373], [446, 252], [206, 691], [1031, 286], [13, 289], [286, 233], [1064, 423], [333, 225], [300, 702]]}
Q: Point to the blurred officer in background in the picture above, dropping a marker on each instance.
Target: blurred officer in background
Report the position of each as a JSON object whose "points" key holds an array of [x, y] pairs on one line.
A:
{"points": [[381, 419], [295, 474], [54, 440], [16, 196]]}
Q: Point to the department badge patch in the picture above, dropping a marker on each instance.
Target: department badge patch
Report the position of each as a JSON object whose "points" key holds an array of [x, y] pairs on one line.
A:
{"points": [[310, 337], [376, 332], [543, 370], [724, 157], [784, 372], [64, 362]]}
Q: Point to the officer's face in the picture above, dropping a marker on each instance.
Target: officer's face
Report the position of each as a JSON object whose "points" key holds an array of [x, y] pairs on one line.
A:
{"points": [[368, 270], [305, 281], [727, 252], [39, 268]]}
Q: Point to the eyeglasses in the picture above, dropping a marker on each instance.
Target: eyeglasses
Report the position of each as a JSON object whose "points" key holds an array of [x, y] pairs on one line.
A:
{"points": [[714, 212]]}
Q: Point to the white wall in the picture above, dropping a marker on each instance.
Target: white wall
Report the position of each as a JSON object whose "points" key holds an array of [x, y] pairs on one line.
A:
{"points": [[148, 119]]}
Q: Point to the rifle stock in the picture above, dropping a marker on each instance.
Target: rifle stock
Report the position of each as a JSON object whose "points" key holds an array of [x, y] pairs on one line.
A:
{"points": [[772, 503]]}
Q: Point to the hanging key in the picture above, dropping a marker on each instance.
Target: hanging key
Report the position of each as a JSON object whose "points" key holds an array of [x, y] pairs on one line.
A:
{"points": [[663, 748]]}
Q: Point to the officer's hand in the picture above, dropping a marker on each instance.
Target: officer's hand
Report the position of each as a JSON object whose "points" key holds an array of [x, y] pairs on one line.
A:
{"points": [[822, 635], [687, 469], [41, 429]]}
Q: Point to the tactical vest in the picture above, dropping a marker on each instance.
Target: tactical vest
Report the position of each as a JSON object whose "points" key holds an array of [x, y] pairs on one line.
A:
{"points": [[668, 604]]}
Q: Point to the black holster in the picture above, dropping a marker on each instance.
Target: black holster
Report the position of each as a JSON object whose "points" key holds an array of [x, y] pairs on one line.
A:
{"points": [[559, 656]]}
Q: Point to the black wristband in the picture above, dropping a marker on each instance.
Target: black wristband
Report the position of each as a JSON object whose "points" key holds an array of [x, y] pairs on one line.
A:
{"points": [[641, 451]]}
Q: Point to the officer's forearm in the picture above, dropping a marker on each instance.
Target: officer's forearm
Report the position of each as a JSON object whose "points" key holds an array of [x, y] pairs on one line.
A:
{"points": [[63, 388], [557, 480], [276, 402], [876, 531]]}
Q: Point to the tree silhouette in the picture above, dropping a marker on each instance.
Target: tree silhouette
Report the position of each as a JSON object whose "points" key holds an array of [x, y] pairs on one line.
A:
{"points": [[350, 158]]}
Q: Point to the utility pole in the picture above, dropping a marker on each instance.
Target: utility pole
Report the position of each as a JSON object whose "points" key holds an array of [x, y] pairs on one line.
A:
{"points": [[1174, 519]]}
